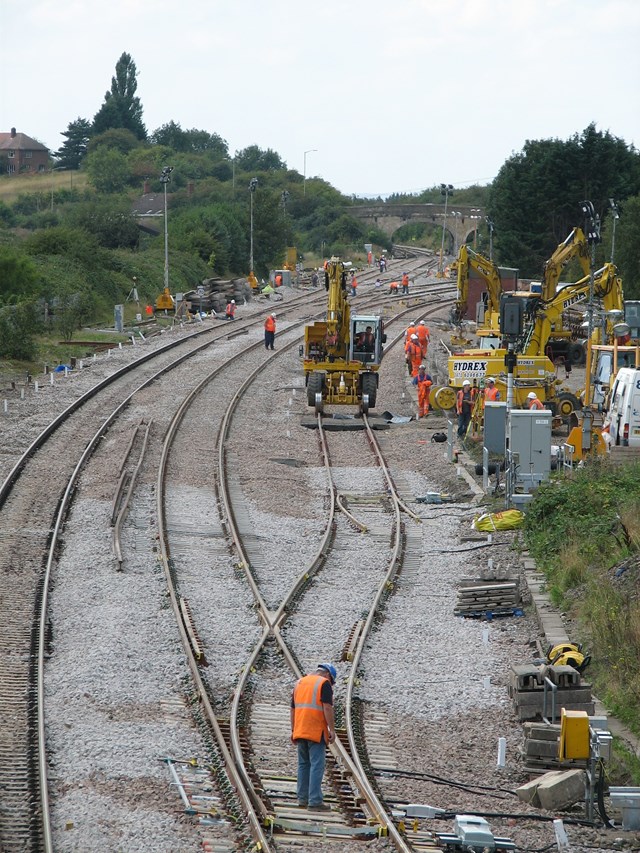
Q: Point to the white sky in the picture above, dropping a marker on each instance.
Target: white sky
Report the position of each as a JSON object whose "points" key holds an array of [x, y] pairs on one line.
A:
{"points": [[396, 96]]}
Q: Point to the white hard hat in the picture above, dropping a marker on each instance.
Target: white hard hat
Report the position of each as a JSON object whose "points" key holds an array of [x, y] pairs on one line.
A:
{"points": [[233, 301], [490, 379], [414, 336], [274, 316], [422, 323], [466, 382], [422, 367], [532, 395]]}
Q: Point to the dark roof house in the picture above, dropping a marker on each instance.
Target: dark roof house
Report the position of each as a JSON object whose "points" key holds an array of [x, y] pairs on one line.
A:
{"points": [[21, 153]]}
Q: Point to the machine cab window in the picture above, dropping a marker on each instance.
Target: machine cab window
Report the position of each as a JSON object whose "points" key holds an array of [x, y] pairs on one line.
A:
{"points": [[364, 341]]}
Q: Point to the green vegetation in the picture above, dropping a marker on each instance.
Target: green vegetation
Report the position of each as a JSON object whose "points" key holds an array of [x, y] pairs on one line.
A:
{"points": [[70, 244], [584, 533], [534, 199]]}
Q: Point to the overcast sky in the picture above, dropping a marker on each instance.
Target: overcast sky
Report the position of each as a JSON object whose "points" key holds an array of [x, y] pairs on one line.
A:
{"points": [[395, 96]]}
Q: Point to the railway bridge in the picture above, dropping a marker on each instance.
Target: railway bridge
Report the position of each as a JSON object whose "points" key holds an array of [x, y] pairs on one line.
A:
{"points": [[460, 222]]}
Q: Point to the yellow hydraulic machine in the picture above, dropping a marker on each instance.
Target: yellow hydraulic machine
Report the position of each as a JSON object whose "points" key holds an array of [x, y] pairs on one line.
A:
{"points": [[342, 354]]}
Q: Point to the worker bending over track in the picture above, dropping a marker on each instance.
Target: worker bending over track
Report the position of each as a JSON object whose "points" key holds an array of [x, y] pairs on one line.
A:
{"points": [[312, 728]]}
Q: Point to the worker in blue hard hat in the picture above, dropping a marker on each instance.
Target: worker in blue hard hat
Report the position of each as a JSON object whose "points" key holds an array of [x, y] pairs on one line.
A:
{"points": [[312, 728]]}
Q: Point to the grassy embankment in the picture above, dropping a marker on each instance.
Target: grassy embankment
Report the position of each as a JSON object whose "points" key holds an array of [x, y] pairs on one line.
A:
{"points": [[584, 533], [12, 186], [112, 274]]}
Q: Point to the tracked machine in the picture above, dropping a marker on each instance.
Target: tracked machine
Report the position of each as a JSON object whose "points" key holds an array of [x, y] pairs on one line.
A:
{"points": [[342, 354]]}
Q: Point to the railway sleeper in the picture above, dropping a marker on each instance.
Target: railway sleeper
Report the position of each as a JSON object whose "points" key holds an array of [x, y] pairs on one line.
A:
{"points": [[352, 641]]}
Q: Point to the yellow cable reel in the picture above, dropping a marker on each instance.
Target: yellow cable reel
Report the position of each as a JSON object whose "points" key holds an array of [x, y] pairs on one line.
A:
{"points": [[445, 397]]}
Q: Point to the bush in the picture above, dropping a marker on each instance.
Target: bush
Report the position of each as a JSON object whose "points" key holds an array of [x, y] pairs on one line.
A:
{"points": [[18, 325], [584, 533]]}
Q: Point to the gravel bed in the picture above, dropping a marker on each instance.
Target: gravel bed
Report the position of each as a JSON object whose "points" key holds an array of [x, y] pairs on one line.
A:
{"points": [[424, 671]]}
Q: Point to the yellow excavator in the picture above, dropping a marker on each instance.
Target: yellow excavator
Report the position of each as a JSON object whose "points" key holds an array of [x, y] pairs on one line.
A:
{"points": [[535, 371], [342, 354], [468, 261], [561, 341]]}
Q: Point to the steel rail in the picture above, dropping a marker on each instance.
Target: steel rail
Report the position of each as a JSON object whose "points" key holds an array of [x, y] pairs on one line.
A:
{"points": [[42, 614], [251, 801], [272, 622], [39, 441]]}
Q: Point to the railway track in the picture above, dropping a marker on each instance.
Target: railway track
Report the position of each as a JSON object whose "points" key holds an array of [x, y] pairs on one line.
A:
{"points": [[32, 522], [256, 735]]}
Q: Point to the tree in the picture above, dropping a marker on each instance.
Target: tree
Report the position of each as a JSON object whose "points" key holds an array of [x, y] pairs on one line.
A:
{"points": [[120, 139], [189, 141], [17, 327], [255, 159], [18, 275], [121, 107], [72, 310], [108, 170], [109, 219], [534, 200], [626, 254], [73, 151]]}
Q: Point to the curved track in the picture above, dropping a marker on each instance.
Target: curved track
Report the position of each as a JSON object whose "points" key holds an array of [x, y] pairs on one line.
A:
{"points": [[32, 520], [359, 809]]}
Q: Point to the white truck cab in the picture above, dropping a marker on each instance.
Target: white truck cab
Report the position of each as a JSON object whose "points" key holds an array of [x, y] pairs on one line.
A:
{"points": [[623, 418]]}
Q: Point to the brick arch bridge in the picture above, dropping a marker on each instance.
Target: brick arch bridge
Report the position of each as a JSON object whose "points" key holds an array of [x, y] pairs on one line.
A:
{"points": [[460, 224]]}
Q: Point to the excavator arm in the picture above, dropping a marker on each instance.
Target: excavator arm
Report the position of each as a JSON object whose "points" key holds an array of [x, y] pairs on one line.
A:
{"points": [[607, 287], [486, 270], [338, 311], [575, 245]]}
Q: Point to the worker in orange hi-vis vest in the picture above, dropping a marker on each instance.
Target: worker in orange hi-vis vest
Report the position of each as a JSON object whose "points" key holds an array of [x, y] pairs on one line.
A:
{"points": [[424, 382], [533, 402], [465, 400], [230, 310], [405, 283], [414, 355], [491, 393], [422, 331], [312, 730], [269, 331], [410, 330], [394, 288]]}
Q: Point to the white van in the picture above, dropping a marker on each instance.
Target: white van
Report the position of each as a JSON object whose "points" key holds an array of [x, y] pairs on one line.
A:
{"points": [[624, 409]]}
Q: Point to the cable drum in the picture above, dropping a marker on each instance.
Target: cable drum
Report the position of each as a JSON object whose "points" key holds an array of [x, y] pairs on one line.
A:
{"points": [[445, 397]]}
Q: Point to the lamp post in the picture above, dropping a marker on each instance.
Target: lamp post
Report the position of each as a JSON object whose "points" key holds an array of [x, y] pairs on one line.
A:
{"points": [[253, 184], [165, 177], [592, 231], [446, 190], [456, 214], [615, 212], [284, 197], [304, 177], [490, 226], [232, 160], [476, 214]]}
